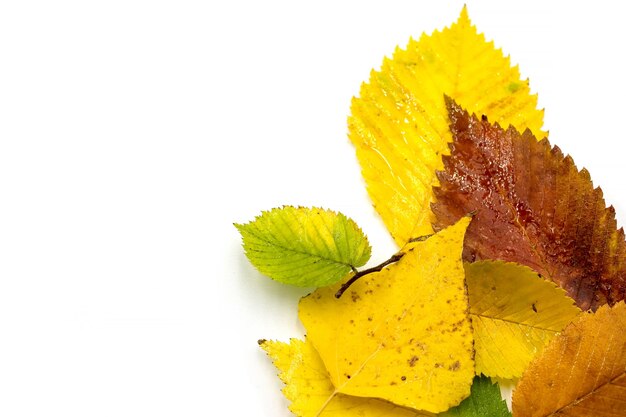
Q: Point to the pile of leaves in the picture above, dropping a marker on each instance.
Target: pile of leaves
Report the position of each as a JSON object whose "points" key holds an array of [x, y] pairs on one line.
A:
{"points": [[510, 266]]}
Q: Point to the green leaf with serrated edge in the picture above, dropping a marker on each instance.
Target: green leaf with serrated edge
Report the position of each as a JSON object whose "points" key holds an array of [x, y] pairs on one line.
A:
{"points": [[306, 247], [514, 315], [484, 401]]}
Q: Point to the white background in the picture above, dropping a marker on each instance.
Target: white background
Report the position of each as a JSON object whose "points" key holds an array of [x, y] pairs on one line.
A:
{"points": [[133, 134]]}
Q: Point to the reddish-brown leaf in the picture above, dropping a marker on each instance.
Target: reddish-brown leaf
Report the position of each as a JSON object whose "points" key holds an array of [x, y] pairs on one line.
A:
{"points": [[533, 207]]}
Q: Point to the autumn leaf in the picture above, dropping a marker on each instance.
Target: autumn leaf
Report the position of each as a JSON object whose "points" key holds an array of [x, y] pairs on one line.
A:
{"points": [[514, 315], [582, 372], [311, 393], [399, 122], [532, 207], [308, 247], [402, 334], [308, 387], [484, 401]]}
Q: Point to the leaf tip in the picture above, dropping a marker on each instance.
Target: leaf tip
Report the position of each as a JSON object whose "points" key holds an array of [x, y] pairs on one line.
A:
{"points": [[464, 16], [456, 114]]}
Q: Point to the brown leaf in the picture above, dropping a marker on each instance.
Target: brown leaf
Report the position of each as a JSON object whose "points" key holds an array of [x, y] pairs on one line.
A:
{"points": [[582, 372], [533, 207]]}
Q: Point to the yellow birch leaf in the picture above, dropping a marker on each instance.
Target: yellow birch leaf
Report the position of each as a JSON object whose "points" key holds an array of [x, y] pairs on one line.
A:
{"points": [[514, 313], [581, 373], [399, 122], [402, 334], [310, 391]]}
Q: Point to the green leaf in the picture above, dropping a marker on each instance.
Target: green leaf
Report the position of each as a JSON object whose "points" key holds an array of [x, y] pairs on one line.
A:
{"points": [[484, 401], [307, 247]]}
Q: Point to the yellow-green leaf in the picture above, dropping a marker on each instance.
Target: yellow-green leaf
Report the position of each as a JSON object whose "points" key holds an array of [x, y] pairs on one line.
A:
{"points": [[514, 313], [307, 247], [310, 391], [582, 372], [399, 123], [402, 334]]}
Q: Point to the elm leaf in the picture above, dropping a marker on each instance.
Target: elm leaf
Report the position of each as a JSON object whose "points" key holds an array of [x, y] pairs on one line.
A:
{"points": [[582, 372], [306, 247], [399, 124], [533, 207]]}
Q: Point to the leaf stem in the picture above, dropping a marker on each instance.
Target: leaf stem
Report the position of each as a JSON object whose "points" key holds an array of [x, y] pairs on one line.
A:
{"points": [[377, 268], [419, 238], [359, 274]]}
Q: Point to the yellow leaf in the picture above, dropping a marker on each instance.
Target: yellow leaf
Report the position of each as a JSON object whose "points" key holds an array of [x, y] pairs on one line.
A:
{"points": [[402, 334], [399, 123], [582, 372], [514, 313], [310, 391]]}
